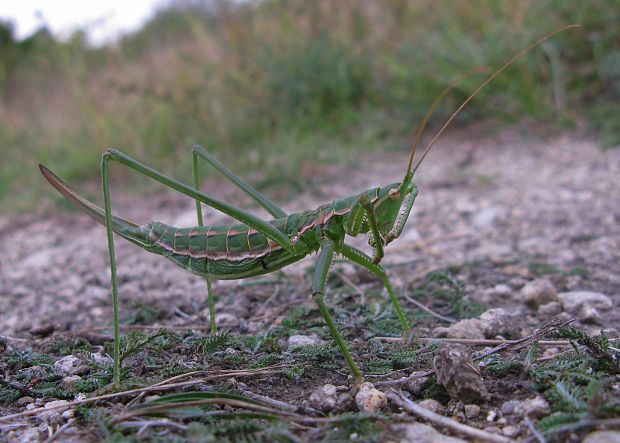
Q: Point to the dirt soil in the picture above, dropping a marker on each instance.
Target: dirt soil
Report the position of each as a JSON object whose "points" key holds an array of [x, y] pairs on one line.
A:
{"points": [[501, 211]]}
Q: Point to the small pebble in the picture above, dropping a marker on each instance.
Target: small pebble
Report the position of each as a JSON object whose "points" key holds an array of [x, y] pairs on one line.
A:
{"points": [[469, 328], [471, 411], [536, 407], [226, 320], [67, 365], [551, 308], [603, 437], [417, 385], [304, 340], [101, 360], [585, 305], [511, 431], [459, 374], [369, 399], [539, 292], [70, 382], [28, 435], [492, 415], [432, 405], [497, 322], [508, 407], [23, 401], [54, 411], [324, 398], [419, 433]]}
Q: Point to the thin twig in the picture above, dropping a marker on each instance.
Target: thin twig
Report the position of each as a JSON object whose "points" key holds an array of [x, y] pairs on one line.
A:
{"points": [[156, 387], [429, 310], [535, 432], [350, 283], [243, 389], [472, 341], [445, 422], [206, 401], [586, 424], [9, 337], [426, 242], [277, 311], [145, 424], [263, 306], [162, 423], [551, 357], [58, 432], [546, 329]]}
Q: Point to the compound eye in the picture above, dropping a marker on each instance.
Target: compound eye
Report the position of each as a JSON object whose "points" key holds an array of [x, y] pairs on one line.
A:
{"points": [[394, 194]]}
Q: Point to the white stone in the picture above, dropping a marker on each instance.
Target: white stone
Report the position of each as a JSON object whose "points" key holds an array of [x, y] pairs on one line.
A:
{"points": [[536, 407], [485, 218], [420, 433], [572, 302], [511, 431], [101, 360], [53, 411], [304, 340], [470, 328], [67, 365], [603, 437], [585, 305], [496, 322], [324, 398]]}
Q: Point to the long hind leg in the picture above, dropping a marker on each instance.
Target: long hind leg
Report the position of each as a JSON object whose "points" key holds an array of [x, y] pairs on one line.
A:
{"points": [[264, 201], [237, 213], [261, 199]]}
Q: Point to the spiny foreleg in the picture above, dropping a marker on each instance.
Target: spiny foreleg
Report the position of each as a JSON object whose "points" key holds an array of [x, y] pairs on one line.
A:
{"points": [[361, 212], [318, 290]]}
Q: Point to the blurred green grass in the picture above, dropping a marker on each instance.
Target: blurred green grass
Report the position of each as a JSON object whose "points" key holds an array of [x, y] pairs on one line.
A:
{"points": [[273, 85]]}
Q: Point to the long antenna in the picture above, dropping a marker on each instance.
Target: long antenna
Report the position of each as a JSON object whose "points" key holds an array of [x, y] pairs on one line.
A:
{"points": [[486, 82], [435, 103]]}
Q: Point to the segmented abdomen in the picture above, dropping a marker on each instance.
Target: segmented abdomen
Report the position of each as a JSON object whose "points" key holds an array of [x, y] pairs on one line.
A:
{"points": [[224, 252]]}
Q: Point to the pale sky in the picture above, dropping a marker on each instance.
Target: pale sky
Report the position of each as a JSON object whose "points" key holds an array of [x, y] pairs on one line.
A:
{"points": [[103, 20]]}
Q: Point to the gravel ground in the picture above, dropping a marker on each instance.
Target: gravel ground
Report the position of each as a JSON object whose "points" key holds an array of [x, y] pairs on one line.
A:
{"points": [[532, 227], [498, 198]]}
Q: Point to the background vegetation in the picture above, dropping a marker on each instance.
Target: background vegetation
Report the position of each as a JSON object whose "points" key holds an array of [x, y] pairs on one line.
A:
{"points": [[270, 85]]}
